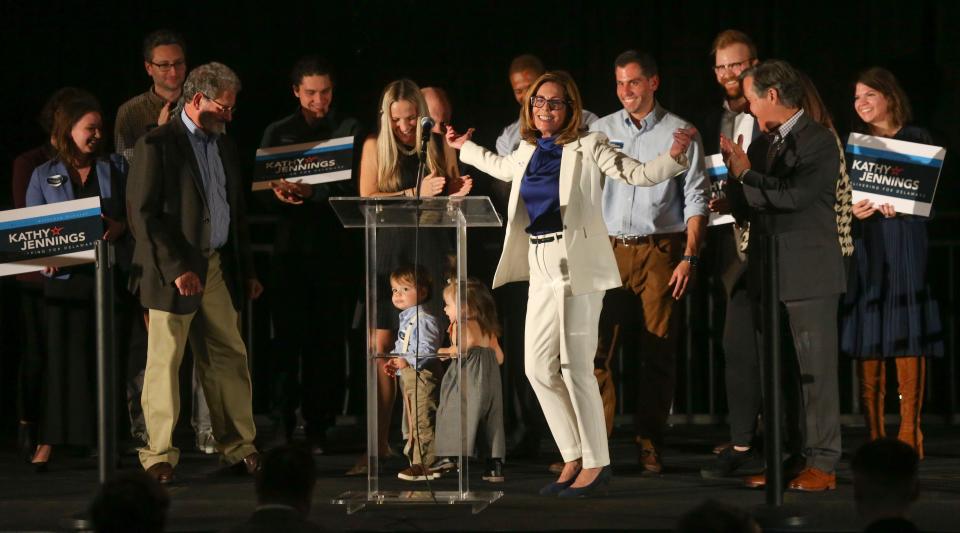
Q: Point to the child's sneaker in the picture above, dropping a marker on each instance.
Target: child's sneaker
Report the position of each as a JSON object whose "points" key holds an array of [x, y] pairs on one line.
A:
{"points": [[494, 471], [417, 472]]}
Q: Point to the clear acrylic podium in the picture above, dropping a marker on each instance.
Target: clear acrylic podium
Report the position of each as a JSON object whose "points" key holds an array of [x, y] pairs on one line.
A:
{"points": [[430, 232]]}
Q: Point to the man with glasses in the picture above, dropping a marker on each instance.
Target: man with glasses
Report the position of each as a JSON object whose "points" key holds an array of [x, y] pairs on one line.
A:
{"points": [[192, 260], [165, 63], [734, 52], [657, 261]]}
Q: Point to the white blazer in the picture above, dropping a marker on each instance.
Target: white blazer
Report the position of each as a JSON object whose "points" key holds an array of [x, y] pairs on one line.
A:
{"points": [[583, 165]]}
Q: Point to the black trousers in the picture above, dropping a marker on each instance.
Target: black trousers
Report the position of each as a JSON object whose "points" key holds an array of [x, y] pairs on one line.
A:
{"points": [[810, 351], [742, 361], [33, 340], [310, 311]]}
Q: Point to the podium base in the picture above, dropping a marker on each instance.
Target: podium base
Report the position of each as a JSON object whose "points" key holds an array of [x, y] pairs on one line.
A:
{"points": [[356, 500]]}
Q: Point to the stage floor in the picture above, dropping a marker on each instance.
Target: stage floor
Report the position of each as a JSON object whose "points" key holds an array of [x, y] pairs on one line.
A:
{"points": [[202, 501]]}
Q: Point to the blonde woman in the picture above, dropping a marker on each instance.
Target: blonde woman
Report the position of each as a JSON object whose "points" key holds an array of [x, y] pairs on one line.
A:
{"points": [[388, 168], [557, 239]]}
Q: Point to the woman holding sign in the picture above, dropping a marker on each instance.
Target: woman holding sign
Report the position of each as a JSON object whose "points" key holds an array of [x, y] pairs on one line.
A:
{"points": [[76, 171], [890, 313], [67, 415]]}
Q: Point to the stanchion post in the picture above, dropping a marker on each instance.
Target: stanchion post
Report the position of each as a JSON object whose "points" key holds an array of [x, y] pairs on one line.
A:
{"points": [[106, 363], [770, 310]]}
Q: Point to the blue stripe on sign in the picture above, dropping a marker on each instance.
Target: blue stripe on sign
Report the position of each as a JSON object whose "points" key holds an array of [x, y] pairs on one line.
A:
{"points": [[856, 149], [288, 155], [49, 219], [716, 171]]}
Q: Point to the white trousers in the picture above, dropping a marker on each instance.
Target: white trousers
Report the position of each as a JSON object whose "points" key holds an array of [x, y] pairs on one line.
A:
{"points": [[560, 345]]}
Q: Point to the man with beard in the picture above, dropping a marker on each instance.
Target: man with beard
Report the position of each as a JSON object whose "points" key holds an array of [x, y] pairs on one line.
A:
{"points": [[734, 52], [192, 257], [307, 290]]}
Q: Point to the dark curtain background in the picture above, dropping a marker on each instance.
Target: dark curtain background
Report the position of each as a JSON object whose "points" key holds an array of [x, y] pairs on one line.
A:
{"points": [[466, 47]]}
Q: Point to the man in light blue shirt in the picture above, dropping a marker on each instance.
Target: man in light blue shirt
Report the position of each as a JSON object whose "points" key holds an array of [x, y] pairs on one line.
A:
{"points": [[646, 226]]}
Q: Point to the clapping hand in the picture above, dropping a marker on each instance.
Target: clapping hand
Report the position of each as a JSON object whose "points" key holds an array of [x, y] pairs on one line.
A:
{"points": [[432, 185], [733, 156], [164, 115], [462, 185]]}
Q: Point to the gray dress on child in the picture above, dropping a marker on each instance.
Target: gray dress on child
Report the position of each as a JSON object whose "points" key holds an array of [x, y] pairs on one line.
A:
{"points": [[483, 409]]}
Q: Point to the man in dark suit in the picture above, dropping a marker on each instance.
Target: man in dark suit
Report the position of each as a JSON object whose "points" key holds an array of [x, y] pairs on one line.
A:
{"points": [[192, 258], [786, 188]]}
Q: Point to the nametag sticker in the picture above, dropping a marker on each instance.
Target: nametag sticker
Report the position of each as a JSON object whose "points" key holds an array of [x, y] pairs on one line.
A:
{"points": [[56, 180], [618, 144]]}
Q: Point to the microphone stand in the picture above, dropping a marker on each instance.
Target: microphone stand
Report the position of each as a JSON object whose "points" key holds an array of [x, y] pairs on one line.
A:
{"points": [[422, 157]]}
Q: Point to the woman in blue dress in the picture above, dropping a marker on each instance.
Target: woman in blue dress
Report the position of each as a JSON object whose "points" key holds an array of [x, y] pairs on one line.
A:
{"points": [[890, 313]]}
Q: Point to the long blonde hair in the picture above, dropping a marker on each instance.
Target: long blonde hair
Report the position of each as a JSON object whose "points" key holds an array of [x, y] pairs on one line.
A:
{"points": [[388, 151]]}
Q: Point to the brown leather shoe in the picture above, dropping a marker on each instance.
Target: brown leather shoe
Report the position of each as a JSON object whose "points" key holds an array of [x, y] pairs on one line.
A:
{"points": [[814, 480], [649, 457], [162, 472], [756, 481], [792, 467], [252, 463]]}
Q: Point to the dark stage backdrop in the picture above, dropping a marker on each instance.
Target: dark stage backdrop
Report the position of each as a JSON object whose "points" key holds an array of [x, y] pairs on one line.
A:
{"points": [[466, 47]]}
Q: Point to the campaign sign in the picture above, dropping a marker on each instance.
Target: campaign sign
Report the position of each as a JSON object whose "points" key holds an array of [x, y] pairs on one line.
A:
{"points": [[717, 172], [310, 163], [900, 173], [59, 234]]}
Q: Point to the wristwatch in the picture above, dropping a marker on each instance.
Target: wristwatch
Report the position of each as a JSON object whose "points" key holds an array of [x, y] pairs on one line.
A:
{"points": [[692, 259]]}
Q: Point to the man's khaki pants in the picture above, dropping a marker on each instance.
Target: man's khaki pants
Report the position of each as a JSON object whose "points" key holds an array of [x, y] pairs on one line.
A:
{"points": [[222, 370]]}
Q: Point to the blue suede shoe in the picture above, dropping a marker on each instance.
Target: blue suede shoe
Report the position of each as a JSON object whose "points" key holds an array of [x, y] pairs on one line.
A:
{"points": [[557, 487], [598, 485]]}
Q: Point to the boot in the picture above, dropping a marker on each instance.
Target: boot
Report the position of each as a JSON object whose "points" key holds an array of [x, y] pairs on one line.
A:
{"points": [[911, 378], [873, 387]]}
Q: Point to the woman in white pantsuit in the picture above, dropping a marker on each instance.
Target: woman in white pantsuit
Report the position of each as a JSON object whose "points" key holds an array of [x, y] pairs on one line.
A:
{"points": [[556, 238]]}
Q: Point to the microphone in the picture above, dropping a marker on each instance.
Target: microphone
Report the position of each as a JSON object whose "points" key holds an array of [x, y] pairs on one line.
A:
{"points": [[426, 126]]}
